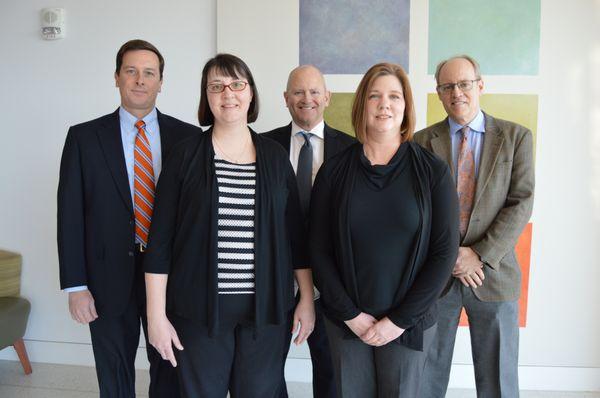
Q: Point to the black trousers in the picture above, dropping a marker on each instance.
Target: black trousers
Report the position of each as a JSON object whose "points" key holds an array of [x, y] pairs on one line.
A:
{"points": [[115, 340], [244, 361], [323, 378]]}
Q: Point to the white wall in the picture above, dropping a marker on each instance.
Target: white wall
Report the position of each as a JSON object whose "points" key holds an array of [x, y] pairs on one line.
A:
{"points": [[560, 348], [49, 85]]}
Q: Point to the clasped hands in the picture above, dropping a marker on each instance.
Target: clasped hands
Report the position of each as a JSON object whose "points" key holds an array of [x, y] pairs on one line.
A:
{"points": [[468, 268], [373, 332]]}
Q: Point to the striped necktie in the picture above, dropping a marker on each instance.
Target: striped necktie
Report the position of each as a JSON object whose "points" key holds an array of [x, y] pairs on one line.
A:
{"points": [[143, 185], [465, 181]]}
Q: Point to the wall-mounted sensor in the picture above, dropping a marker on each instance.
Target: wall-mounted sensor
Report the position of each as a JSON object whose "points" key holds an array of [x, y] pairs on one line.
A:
{"points": [[53, 23]]}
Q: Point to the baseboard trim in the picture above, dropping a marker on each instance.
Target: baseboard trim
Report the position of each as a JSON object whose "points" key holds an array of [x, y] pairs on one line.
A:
{"points": [[65, 353], [537, 378], [543, 378]]}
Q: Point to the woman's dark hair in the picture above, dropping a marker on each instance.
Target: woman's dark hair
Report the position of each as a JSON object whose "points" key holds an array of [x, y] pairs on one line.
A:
{"points": [[227, 65]]}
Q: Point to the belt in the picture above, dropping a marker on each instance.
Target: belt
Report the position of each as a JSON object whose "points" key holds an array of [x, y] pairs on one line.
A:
{"points": [[139, 248]]}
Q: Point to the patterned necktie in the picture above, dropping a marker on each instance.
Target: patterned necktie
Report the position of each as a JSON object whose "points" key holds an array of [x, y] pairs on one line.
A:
{"points": [[304, 172], [143, 185], [465, 181]]}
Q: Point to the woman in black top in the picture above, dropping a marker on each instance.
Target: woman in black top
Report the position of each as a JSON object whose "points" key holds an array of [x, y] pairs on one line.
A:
{"points": [[225, 242], [383, 242]]}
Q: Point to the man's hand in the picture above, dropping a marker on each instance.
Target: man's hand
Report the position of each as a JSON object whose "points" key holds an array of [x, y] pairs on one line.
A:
{"points": [[82, 307], [382, 333], [468, 268], [304, 314], [162, 336], [361, 323]]}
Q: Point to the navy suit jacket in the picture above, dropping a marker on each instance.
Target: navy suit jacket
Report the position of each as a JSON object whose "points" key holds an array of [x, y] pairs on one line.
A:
{"points": [[335, 140], [96, 226]]}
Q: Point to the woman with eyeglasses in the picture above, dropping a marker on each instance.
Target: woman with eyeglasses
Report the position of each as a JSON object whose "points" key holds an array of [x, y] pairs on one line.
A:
{"points": [[383, 242], [225, 244]]}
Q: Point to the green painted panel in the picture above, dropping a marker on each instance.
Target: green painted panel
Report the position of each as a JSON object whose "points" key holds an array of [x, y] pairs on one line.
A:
{"points": [[339, 112], [503, 36]]}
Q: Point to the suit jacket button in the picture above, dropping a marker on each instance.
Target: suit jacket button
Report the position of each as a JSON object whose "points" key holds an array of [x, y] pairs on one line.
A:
{"points": [[130, 254]]}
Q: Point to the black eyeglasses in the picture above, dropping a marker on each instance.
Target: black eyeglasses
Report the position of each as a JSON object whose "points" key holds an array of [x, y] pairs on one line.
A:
{"points": [[237, 85], [463, 85]]}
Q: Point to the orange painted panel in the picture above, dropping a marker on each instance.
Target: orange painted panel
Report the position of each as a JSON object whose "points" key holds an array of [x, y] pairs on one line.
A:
{"points": [[523, 251]]}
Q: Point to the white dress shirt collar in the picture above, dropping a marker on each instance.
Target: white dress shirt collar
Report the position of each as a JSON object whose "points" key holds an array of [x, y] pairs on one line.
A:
{"points": [[317, 131]]}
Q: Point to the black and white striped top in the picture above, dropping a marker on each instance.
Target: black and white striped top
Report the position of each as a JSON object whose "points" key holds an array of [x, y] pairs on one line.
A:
{"points": [[235, 253]]}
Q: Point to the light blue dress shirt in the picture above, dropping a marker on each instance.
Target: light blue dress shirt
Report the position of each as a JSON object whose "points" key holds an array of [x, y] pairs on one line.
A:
{"points": [[475, 139], [128, 133]]}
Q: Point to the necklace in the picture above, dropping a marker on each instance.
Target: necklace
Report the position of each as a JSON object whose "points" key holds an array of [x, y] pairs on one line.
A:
{"points": [[234, 159]]}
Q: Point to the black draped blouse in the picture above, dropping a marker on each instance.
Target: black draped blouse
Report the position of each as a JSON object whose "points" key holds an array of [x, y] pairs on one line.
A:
{"points": [[384, 239]]}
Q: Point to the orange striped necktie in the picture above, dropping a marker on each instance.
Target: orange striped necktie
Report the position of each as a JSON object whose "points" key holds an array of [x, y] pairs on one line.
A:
{"points": [[465, 182], [143, 185]]}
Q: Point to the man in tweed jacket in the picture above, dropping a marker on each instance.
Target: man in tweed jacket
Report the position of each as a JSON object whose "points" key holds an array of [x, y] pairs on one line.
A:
{"points": [[486, 278]]}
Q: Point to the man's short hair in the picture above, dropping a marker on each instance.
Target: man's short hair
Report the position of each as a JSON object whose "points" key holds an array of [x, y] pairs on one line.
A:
{"points": [[359, 106], [137, 44], [231, 66], [463, 56]]}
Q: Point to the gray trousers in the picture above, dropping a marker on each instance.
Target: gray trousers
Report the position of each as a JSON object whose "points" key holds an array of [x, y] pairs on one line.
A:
{"points": [[494, 331], [364, 371]]}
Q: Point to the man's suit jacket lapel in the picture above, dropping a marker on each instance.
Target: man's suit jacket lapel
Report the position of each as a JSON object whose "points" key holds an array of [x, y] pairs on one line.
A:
{"points": [[109, 135], [442, 145], [329, 135], [492, 144], [166, 138], [285, 137], [331, 142]]}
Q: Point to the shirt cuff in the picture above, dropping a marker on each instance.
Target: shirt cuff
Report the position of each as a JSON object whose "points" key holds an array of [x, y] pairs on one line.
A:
{"points": [[75, 289]]}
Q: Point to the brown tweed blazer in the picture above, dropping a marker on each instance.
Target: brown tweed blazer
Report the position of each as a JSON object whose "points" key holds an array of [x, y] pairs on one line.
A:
{"points": [[503, 200]]}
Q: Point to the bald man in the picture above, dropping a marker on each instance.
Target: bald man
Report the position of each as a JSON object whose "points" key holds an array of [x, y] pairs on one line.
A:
{"points": [[310, 141]]}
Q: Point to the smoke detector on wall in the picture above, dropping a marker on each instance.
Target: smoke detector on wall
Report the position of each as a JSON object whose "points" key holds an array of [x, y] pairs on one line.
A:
{"points": [[53, 23]]}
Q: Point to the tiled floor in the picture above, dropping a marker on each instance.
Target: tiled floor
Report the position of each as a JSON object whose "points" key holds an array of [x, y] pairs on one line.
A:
{"points": [[62, 381]]}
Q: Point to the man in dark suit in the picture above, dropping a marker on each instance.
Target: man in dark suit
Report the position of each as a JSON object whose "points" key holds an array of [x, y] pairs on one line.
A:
{"points": [[108, 173], [492, 164], [310, 141]]}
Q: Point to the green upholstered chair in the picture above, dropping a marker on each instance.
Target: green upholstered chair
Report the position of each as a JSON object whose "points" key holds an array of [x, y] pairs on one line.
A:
{"points": [[14, 310]]}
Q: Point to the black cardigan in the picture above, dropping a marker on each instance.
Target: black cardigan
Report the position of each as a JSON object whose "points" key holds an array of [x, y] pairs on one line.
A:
{"points": [[434, 251], [183, 235]]}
